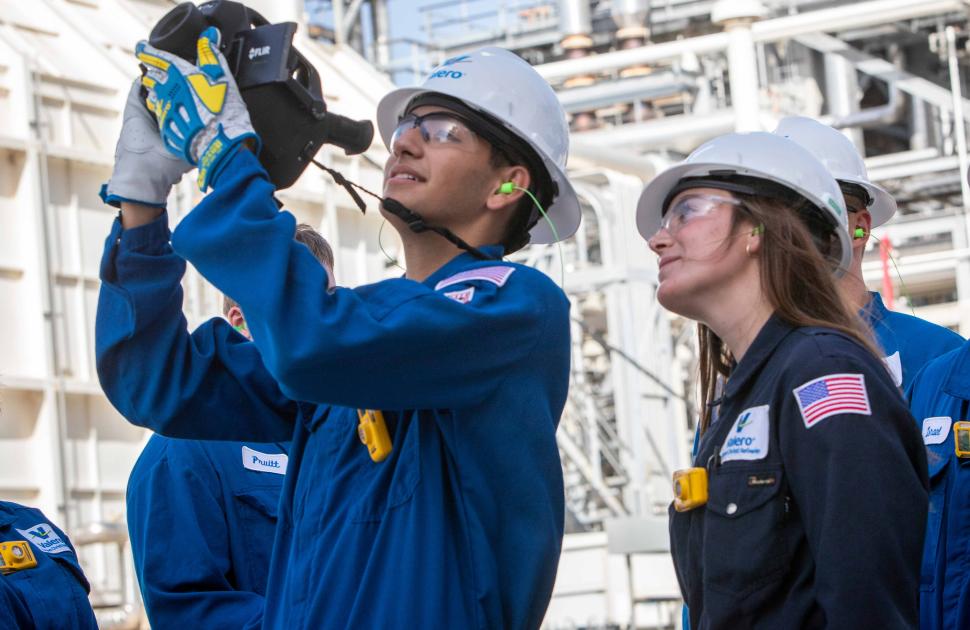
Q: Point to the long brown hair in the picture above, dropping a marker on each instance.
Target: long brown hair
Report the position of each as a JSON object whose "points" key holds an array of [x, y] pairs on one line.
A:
{"points": [[796, 277]]}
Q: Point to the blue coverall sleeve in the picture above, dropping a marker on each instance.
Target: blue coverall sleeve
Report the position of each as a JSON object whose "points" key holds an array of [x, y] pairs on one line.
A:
{"points": [[180, 544], [208, 385], [395, 344], [859, 484]]}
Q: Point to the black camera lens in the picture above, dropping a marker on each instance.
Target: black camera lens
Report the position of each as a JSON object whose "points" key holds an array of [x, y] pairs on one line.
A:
{"points": [[178, 31]]}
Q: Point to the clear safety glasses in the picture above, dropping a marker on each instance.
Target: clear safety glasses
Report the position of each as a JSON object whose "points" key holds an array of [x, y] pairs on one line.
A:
{"points": [[691, 207], [437, 128]]}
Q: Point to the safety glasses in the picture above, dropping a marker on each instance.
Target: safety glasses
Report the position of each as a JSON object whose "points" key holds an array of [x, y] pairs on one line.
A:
{"points": [[690, 207], [437, 128]]}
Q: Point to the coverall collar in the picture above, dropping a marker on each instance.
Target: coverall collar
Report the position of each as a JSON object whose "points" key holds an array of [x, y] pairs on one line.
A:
{"points": [[876, 306], [764, 344], [956, 383], [461, 261]]}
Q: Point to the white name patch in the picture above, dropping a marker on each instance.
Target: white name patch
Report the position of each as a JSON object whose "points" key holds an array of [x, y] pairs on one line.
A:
{"points": [[748, 438], [264, 462], [936, 429], [895, 367], [44, 538], [497, 275], [462, 297]]}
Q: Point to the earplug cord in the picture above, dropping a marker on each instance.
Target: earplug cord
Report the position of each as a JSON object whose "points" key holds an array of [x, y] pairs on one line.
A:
{"points": [[507, 188]]}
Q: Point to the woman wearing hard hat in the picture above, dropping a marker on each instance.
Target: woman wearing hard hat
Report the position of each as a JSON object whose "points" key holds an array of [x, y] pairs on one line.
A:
{"points": [[453, 516], [806, 505]]}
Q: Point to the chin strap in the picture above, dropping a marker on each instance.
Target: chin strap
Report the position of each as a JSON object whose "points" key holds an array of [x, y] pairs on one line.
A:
{"points": [[413, 220]]}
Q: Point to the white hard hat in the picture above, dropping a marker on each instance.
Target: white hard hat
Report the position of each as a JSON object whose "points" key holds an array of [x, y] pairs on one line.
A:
{"points": [[757, 155], [841, 157], [504, 86]]}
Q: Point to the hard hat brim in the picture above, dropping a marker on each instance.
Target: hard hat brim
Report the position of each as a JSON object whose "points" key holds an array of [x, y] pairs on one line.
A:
{"points": [[883, 204]]}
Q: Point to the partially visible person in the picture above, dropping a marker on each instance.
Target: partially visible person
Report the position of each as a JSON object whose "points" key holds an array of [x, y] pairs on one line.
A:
{"points": [[940, 401], [216, 503], [51, 595], [908, 342], [807, 503]]}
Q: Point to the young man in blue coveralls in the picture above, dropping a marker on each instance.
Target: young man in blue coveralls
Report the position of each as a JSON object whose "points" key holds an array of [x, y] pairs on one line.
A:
{"points": [[909, 342], [216, 503], [51, 594], [467, 356]]}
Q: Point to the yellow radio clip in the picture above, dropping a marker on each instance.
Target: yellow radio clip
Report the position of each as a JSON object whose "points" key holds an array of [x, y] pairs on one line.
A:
{"points": [[16, 555], [961, 439], [690, 489], [372, 431]]}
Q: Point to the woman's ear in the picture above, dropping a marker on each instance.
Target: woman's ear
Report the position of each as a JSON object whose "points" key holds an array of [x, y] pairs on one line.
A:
{"points": [[754, 240]]}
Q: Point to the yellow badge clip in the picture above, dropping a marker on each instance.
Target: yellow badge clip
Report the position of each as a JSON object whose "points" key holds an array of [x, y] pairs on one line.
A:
{"points": [[690, 489], [961, 439], [372, 431], [16, 555]]}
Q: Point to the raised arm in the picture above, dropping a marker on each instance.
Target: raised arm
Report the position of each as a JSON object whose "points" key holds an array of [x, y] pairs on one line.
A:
{"points": [[394, 344], [207, 385]]}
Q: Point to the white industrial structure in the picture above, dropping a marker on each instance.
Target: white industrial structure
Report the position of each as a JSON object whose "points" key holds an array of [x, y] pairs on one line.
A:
{"points": [[644, 82]]}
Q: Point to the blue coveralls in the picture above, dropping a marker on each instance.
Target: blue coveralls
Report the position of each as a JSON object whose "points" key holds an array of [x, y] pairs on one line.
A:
{"points": [[816, 507], [939, 397], [54, 594], [916, 340], [201, 519], [461, 527]]}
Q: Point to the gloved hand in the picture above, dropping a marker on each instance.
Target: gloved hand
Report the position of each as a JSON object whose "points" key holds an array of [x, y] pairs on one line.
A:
{"points": [[144, 170], [201, 115]]}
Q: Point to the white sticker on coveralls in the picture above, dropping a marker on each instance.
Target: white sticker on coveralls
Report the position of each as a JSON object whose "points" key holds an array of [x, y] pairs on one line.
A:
{"points": [[936, 429], [44, 538], [895, 367], [264, 462], [748, 438]]}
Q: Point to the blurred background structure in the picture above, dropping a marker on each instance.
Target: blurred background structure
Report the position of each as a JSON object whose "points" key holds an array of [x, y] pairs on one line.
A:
{"points": [[643, 81]]}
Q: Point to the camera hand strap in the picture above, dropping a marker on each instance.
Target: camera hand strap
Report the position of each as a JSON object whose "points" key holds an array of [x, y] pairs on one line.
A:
{"points": [[413, 219]]}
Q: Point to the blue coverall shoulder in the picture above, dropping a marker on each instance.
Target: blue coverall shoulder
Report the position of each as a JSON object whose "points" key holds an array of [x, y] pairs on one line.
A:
{"points": [[52, 595], [215, 502], [939, 398], [813, 448], [916, 340], [461, 526]]}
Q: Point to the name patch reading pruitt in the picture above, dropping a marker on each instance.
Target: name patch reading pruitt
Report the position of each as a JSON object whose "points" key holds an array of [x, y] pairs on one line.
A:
{"points": [[264, 462], [748, 438], [44, 538]]}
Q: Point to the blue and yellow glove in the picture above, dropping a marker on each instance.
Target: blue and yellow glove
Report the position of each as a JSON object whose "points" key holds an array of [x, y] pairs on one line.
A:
{"points": [[201, 115]]}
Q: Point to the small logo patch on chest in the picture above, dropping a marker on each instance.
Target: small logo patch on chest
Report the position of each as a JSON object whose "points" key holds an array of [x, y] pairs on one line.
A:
{"points": [[43, 536], [936, 429], [748, 438]]}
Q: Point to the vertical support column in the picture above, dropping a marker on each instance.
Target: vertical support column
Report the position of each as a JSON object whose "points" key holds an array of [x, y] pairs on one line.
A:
{"points": [[736, 17], [961, 240], [841, 94]]}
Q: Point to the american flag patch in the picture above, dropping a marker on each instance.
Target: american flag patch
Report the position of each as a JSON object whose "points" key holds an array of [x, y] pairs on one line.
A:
{"points": [[463, 296], [831, 395], [497, 275]]}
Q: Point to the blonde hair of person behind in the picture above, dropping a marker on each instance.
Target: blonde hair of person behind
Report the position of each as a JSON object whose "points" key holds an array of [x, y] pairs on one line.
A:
{"points": [[797, 280]]}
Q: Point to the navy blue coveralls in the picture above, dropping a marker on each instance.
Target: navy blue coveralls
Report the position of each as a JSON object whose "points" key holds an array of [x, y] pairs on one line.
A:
{"points": [[54, 594], [816, 506], [461, 527], [909, 342], [201, 520], [939, 397]]}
